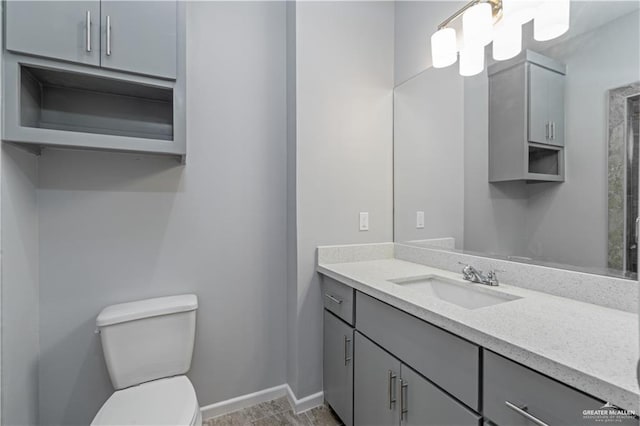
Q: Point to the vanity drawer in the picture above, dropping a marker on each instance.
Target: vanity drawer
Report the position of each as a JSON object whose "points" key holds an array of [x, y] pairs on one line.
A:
{"points": [[508, 387], [338, 298], [449, 361]]}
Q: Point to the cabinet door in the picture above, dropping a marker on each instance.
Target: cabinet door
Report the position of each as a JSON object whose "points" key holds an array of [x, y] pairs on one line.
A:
{"points": [[376, 385], [140, 37], [555, 107], [338, 367], [423, 404], [66, 30], [538, 104]]}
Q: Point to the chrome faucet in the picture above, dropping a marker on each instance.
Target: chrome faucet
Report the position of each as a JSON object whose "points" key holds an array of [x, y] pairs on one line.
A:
{"points": [[469, 273]]}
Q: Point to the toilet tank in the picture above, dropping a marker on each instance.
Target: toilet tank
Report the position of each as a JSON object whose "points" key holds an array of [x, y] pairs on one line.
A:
{"points": [[148, 339]]}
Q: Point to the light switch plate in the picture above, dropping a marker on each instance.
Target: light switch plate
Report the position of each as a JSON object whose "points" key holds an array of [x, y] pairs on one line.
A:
{"points": [[420, 220], [364, 221]]}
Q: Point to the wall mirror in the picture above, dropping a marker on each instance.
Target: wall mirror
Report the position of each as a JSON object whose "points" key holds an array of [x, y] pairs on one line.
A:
{"points": [[534, 159]]}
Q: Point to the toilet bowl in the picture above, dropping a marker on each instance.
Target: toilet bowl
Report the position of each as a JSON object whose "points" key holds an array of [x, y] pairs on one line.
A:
{"points": [[169, 401], [148, 347]]}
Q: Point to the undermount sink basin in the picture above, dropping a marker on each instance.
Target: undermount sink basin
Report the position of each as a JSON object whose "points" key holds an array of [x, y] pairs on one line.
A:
{"points": [[464, 294]]}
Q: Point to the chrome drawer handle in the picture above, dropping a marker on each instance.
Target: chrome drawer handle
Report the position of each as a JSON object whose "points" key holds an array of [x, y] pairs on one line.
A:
{"points": [[524, 413], [392, 380], [333, 299], [108, 35], [88, 31]]}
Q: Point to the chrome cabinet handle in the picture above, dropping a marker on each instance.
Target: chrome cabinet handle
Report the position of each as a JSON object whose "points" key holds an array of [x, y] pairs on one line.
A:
{"points": [[553, 130], [404, 388], [546, 130], [88, 31], [392, 380], [108, 35], [347, 358], [333, 299], [524, 413]]}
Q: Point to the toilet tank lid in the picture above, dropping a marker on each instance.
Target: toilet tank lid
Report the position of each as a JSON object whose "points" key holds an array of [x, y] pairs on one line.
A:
{"points": [[147, 308]]}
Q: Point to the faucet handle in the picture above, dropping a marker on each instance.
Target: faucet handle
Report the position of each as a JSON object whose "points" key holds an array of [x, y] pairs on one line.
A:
{"points": [[492, 277]]}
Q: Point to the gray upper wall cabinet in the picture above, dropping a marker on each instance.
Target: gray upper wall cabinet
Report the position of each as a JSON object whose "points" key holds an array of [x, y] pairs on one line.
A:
{"points": [[139, 37], [526, 119], [131, 36], [73, 83], [65, 30]]}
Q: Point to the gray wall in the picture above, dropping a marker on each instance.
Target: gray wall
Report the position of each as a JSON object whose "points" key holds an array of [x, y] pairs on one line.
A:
{"points": [[292, 219], [122, 227], [495, 214], [429, 156], [344, 73], [19, 287]]}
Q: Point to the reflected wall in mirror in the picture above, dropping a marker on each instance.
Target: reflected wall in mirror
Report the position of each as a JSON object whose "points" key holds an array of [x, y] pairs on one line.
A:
{"points": [[583, 220]]}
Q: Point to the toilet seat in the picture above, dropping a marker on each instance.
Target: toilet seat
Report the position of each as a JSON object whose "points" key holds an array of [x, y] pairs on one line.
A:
{"points": [[170, 401]]}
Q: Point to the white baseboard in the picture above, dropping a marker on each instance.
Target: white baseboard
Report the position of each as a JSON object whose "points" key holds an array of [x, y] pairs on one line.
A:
{"points": [[244, 401], [306, 403]]}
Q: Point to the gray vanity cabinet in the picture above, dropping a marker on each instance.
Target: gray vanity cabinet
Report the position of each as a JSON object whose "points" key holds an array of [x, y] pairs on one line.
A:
{"points": [[338, 367], [65, 30], [140, 37], [388, 392], [526, 119]]}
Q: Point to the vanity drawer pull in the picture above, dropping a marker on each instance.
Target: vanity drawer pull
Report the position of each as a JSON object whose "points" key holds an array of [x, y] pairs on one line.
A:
{"points": [[523, 412], [333, 299], [392, 381]]}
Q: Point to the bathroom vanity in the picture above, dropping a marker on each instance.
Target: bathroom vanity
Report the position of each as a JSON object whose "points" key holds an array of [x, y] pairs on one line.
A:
{"points": [[410, 344]]}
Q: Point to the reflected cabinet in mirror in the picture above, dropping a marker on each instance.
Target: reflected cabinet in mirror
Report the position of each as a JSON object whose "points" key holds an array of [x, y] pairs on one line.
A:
{"points": [[535, 159]]}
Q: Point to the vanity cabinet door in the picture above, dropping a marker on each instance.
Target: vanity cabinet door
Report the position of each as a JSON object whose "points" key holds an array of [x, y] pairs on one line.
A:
{"points": [[423, 404], [66, 30], [140, 37], [376, 385], [555, 90], [546, 106], [538, 116], [338, 367]]}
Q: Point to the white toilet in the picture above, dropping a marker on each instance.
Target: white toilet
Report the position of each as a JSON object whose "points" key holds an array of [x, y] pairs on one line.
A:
{"points": [[148, 346]]}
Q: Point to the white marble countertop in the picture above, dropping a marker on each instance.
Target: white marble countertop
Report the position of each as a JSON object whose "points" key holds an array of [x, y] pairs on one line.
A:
{"points": [[589, 347]]}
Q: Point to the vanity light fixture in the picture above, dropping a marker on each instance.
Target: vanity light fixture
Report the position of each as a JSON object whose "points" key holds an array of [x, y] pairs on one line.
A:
{"points": [[497, 21]]}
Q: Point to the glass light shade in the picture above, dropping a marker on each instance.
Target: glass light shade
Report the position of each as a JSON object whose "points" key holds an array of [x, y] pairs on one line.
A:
{"points": [[551, 20], [471, 60], [520, 11], [507, 39], [477, 25], [444, 50]]}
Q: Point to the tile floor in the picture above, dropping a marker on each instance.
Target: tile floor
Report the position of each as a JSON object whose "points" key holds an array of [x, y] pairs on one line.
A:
{"points": [[276, 413]]}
